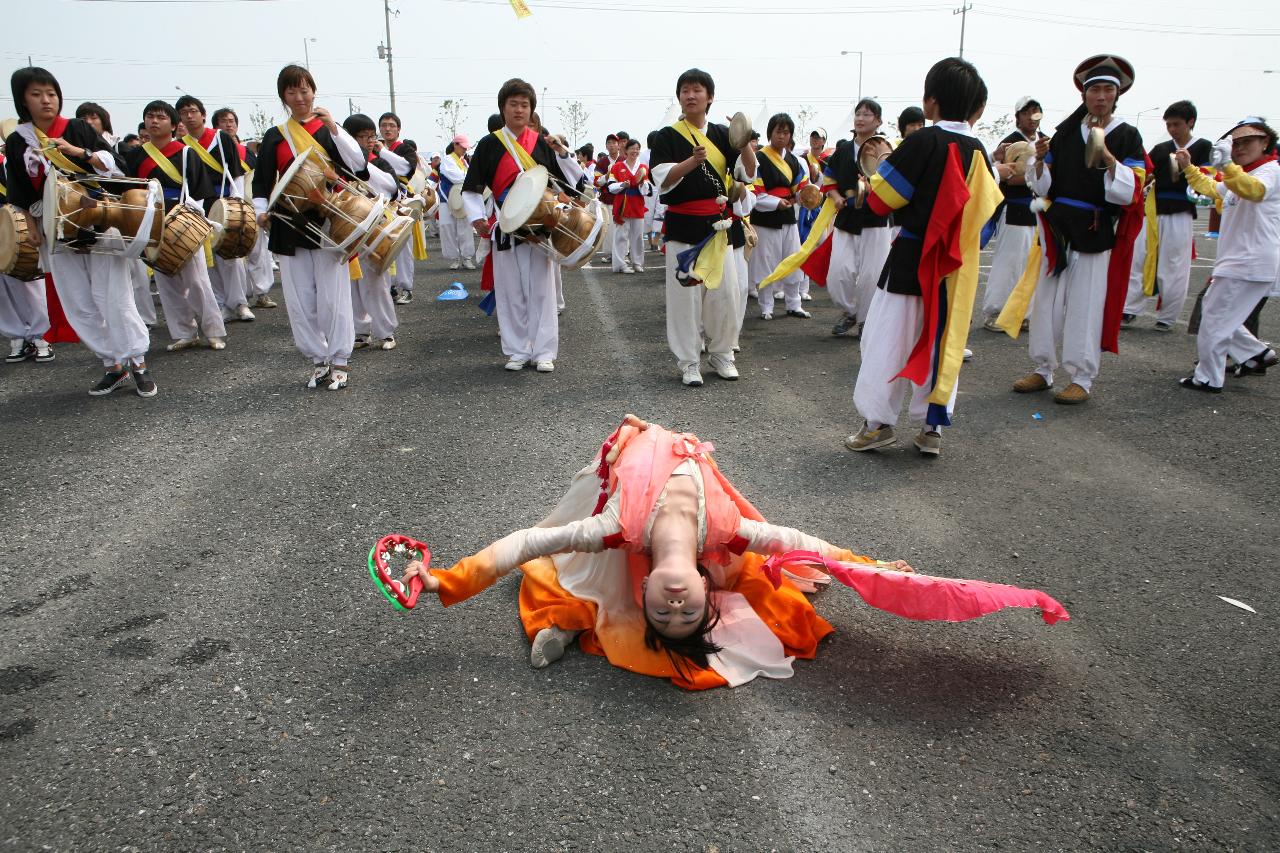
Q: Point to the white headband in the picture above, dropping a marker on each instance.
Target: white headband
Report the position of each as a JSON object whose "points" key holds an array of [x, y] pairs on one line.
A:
{"points": [[1102, 78]]}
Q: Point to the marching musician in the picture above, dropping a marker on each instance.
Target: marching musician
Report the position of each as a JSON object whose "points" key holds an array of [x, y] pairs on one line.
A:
{"points": [[402, 156], [260, 276], [692, 163], [317, 285], [1080, 232], [190, 306], [372, 307], [779, 177], [524, 281], [1167, 224], [24, 312], [1018, 223], [935, 182], [861, 240], [217, 151], [457, 241], [93, 288], [627, 180]]}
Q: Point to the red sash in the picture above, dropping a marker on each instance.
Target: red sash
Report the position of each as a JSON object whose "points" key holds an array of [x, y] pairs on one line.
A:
{"points": [[508, 169], [284, 154], [148, 165]]}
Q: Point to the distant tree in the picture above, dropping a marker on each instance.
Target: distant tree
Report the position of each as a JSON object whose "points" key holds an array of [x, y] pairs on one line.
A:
{"points": [[996, 129], [260, 120], [803, 116], [574, 117], [450, 117]]}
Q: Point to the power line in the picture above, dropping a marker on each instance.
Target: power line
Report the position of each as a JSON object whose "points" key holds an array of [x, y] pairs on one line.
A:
{"points": [[715, 10]]}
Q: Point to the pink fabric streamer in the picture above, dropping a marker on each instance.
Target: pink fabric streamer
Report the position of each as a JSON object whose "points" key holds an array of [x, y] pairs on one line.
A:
{"points": [[922, 597]]}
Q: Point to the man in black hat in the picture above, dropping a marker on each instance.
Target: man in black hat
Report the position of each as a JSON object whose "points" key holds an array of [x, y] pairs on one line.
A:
{"points": [[1093, 214]]}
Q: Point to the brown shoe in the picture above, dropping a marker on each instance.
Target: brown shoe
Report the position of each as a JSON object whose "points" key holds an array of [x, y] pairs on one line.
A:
{"points": [[1071, 395], [1031, 382]]}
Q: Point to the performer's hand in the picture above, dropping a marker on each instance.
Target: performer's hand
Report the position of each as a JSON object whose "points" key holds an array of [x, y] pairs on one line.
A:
{"points": [[264, 220], [67, 148], [430, 583], [699, 156], [557, 144], [1108, 159], [632, 420], [1183, 157], [896, 565], [326, 117], [785, 203], [1004, 170], [1042, 148], [34, 236], [481, 227], [377, 147], [998, 154]]}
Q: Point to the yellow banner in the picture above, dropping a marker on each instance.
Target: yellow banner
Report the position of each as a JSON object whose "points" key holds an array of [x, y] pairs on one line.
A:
{"points": [[521, 9], [817, 234]]}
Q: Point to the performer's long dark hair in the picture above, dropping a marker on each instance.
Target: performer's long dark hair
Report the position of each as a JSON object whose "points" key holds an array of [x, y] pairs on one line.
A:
{"points": [[696, 647], [22, 79]]}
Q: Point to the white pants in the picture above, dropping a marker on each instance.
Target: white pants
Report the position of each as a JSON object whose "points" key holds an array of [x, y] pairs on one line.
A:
{"points": [[740, 264], [372, 309], [24, 311], [1227, 304], [558, 272], [97, 298], [317, 288], [142, 298], [1066, 314], [691, 311], [404, 268], [628, 239], [258, 268], [188, 300], [842, 275], [889, 335], [524, 281], [1173, 268], [230, 282], [1008, 262], [457, 239], [774, 246], [870, 250]]}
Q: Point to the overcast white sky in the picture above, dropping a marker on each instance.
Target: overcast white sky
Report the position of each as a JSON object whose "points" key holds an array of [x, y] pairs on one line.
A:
{"points": [[620, 58]]}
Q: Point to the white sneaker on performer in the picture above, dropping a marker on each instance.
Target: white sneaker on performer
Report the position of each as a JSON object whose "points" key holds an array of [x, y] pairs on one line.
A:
{"points": [[455, 265], [183, 343], [468, 263], [244, 315], [217, 343], [549, 645], [723, 367], [386, 343], [691, 376], [337, 379], [44, 352], [516, 364], [544, 366]]}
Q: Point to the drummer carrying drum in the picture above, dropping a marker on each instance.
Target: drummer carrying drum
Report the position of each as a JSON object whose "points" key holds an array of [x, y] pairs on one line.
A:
{"points": [[523, 273], [88, 266]]}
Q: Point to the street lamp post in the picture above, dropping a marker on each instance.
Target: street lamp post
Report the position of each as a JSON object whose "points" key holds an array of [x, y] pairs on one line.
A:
{"points": [[1138, 121], [846, 53], [306, 53]]}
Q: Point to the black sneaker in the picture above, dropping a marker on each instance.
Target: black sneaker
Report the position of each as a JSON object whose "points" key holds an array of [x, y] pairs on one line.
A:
{"points": [[846, 323], [22, 353], [395, 291], [110, 381], [143, 384], [406, 296], [1127, 320]]}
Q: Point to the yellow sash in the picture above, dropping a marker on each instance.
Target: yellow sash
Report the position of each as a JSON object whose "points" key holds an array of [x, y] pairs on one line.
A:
{"points": [[462, 164], [56, 157], [817, 233], [209, 160], [715, 156], [419, 241], [514, 148], [1153, 245], [302, 140], [165, 164], [1019, 301], [780, 162]]}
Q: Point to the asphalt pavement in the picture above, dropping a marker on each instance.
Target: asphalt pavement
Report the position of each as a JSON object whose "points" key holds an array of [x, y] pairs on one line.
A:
{"points": [[194, 658]]}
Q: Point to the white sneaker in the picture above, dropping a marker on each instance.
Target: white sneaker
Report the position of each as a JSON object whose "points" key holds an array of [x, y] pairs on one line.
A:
{"points": [[244, 315], [516, 364], [455, 265], [44, 352], [766, 316], [723, 367], [183, 343], [387, 343], [691, 376], [628, 271], [337, 379], [217, 343], [544, 366], [968, 354], [362, 341], [639, 269], [469, 264]]}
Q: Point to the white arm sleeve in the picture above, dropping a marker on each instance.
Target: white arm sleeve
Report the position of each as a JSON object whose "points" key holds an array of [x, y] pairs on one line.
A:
{"points": [[744, 205], [105, 165], [352, 154], [450, 170], [660, 173], [765, 202], [571, 168], [765, 538], [1119, 190], [472, 203], [1039, 184], [400, 165], [584, 536], [382, 182]]}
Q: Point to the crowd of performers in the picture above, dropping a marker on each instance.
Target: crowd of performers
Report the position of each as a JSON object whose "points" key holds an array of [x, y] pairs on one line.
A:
{"points": [[1093, 231]]}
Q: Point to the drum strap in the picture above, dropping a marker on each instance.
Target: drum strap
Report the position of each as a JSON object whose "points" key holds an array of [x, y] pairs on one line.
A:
{"points": [[779, 162], [203, 153], [300, 140], [165, 164], [523, 158], [715, 156]]}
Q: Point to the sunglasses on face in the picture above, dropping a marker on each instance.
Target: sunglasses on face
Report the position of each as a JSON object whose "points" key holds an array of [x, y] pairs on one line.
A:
{"points": [[1243, 140]]}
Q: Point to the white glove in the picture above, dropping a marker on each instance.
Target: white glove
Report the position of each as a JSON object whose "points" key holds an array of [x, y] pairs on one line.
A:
{"points": [[617, 187], [1221, 155]]}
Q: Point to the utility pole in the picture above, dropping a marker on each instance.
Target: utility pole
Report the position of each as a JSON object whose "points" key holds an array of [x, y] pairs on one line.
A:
{"points": [[963, 12], [384, 52], [849, 52]]}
